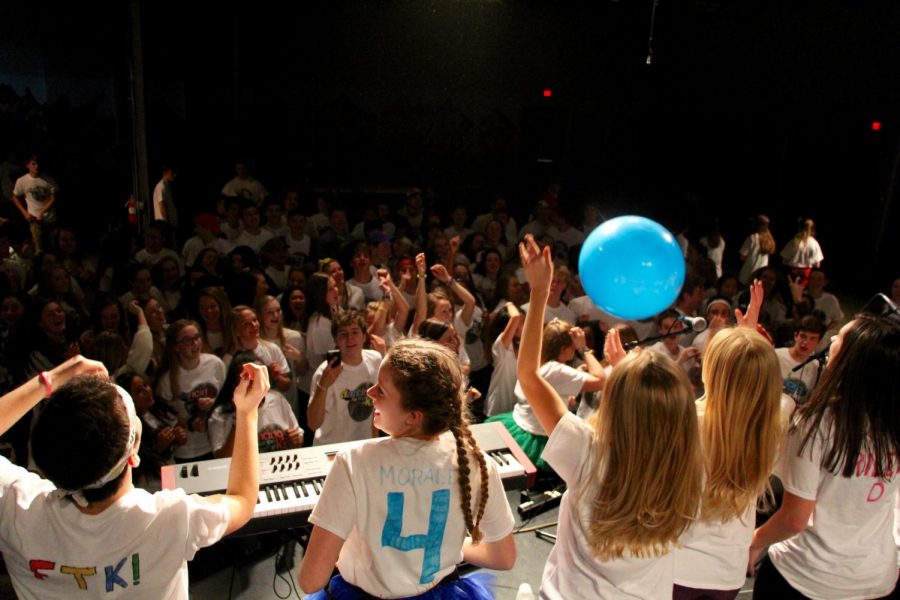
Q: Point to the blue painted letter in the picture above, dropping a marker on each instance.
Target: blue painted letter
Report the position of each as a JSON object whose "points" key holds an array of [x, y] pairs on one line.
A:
{"points": [[430, 542]]}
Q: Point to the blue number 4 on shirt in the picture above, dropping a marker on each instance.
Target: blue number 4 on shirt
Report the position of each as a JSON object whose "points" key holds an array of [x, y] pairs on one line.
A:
{"points": [[429, 542]]}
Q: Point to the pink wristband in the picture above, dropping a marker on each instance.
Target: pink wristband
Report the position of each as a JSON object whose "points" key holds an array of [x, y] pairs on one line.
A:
{"points": [[44, 377]]}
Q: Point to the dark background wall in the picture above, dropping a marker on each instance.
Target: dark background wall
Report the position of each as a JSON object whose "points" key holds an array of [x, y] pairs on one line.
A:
{"points": [[747, 107]]}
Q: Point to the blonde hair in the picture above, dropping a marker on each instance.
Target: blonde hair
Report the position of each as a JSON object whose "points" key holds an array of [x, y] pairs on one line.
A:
{"points": [[430, 380], [556, 337], [646, 437], [806, 228], [259, 308], [741, 427]]}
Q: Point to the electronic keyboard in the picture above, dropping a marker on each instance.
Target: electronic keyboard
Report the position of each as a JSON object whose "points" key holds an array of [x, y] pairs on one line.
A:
{"points": [[290, 481]]}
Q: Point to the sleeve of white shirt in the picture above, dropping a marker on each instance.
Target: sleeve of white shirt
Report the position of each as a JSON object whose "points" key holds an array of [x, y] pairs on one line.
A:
{"points": [[207, 522], [566, 380], [568, 448], [331, 511], [800, 474]]}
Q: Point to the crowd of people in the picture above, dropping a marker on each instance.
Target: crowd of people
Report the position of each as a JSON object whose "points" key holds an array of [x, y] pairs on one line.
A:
{"points": [[665, 451]]}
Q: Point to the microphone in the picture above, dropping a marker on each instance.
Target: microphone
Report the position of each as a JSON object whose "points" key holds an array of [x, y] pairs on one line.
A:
{"points": [[819, 355], [697, 324]]}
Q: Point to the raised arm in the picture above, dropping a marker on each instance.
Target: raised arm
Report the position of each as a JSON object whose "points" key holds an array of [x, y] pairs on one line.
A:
{"points": [[751, 319], [421, 300], [512, 326], [450, 261], [548, 407], [400, 303], [459, 290], [243, 476], [594, 368], [15, 404]]}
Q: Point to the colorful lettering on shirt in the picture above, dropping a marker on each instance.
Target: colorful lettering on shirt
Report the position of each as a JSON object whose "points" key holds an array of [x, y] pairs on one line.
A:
{"points": [[80, 574], [865, 467], [41, 565], [273, 438], [112, 576], [429, 542], [359, 405]]}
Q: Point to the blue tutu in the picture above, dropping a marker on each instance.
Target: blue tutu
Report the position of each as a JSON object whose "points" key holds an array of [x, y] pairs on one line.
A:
{"points": [[475, 586]]}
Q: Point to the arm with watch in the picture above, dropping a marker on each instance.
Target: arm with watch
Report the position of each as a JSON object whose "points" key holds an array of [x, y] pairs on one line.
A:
{"points": [[597, 376]]}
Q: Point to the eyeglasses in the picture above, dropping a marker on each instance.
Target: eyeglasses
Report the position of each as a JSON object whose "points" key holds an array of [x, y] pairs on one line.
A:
{"points": [[881, 306], [189, 340]]}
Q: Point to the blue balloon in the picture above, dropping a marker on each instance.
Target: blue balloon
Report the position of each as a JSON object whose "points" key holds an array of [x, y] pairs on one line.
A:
{"points": [[631, 267]]}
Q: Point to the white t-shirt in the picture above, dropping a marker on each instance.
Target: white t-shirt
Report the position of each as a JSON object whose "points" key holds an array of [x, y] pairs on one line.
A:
{"points": [[278, 276], [253, 240], [194, 246], [802, 254], [149, 259], [571, 237], [396, 504], [268, 353], [798, 385], [355, 297], [501, 396], [753, 258], [246, 188], [713, 555], [52, 550], [847, 550], [571, 570], [714, 254], [297, 248], [348, 410], [828, 304], [204, 381], [275, 419], [164, 202], [318, 340], [37, 192], [561, 312], [371, 290], [563, 378]]}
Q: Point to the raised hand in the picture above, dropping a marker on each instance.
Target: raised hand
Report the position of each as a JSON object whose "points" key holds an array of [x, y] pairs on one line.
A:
{"points": [[578, 339], [421, 264], [613, 350], [441, 274], [253, 387], [378, 344], [757, 295], [537, 263], [77, 365]]}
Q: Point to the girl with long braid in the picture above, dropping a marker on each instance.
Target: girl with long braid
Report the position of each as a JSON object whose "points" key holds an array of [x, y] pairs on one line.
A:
{"points": [[425, 497]]}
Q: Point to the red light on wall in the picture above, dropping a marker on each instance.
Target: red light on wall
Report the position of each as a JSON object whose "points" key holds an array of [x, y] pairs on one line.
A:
{"points": [[548, 93], [876, 125]]}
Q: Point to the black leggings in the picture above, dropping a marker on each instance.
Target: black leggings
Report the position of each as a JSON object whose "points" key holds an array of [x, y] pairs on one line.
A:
{"points": [[770, 584]]}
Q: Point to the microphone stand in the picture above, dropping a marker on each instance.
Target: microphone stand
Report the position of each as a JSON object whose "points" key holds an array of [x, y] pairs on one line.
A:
{"points": [[652, 338]]}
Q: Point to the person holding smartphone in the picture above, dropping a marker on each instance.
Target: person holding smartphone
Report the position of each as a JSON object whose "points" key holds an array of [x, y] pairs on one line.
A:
{"points": [[339, 409]]}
